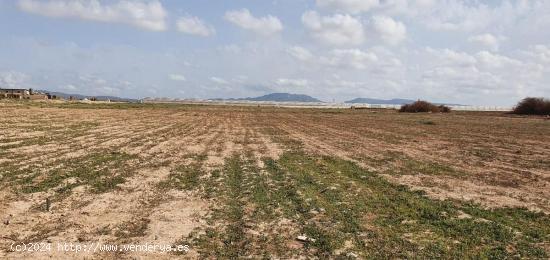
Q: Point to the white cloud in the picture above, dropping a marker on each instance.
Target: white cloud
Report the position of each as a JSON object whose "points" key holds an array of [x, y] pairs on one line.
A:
{"points": [[453, 58], [350, 6], [467, 16], [195, 26], [300, 53], [292, 82], [69, 87], [449, 73], [484, 51], [240, 79], [491, 60], [540, 52], [482, 59], [13, 79], [487, 40], [350, 58], [219, 80], [462, 78], [391, 31], [231, 48], [177, 77], [147, 15], [338, 29], [411, 8], [343, 58], [267, 25]]}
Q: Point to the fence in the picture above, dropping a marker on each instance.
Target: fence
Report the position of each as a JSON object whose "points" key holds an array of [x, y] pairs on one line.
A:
{"points": [[455, 108], [322, 105]]}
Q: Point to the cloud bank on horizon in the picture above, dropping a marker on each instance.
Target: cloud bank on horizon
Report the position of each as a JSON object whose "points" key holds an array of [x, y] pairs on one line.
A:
{"points": [[461, 51]]}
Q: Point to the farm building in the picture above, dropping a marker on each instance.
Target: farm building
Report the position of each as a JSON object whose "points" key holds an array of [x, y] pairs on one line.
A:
{"points": [[21, 94]]}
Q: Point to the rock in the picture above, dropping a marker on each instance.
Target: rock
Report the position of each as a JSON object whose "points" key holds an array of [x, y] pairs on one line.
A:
{"points": [[352, 255], [463, 215], [304, 238], [7, 220]]}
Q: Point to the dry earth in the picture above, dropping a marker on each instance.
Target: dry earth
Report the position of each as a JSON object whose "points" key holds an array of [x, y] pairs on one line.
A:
{"points": [[129, 175]]}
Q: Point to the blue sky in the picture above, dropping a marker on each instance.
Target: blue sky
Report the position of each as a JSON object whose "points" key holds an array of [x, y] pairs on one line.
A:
{"points": [[459, 51]]}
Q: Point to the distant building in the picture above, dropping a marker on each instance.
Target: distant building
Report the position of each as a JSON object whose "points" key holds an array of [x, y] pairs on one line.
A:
{"points": [[18, 93], [14, 93]]}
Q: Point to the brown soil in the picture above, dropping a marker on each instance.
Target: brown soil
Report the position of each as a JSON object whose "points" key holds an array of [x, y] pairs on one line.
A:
{"points": [[490, 159]]}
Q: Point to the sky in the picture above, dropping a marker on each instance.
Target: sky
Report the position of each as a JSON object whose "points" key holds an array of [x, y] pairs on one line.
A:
{"points": [[457, 51]]}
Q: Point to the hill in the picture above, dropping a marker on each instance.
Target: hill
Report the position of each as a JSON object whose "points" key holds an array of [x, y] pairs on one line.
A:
{"points": [[79, 96], [277, 97]]}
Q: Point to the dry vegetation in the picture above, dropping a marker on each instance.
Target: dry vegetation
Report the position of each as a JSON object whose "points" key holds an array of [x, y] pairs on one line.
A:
{"points": [[424, 107], [246, 182], [533, 106]]}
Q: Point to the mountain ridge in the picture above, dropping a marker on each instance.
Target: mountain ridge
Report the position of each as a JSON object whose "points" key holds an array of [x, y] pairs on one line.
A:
{"points": [[277, 97], [80, 96]]}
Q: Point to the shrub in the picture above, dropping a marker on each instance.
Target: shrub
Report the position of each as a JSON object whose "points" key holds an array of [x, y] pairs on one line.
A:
{"points": [[424, 107], [444, 109], [532, 106]]}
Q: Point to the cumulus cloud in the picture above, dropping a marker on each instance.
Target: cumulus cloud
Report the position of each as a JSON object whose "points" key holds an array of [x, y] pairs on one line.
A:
{"points": [[292, 82], [69, 87], [177, 77], [195, 26], [468, 16], [146, 15], [391, 31], [338, 29], [339, 58], [482, 59], [267, 25], [491, 60], [451, 57], [300, 53], [13, 79], [468, 63], [411, 8], [350, 6], [350, 58], [478, 74], [219, 80], [487, 40], [539, 52]]}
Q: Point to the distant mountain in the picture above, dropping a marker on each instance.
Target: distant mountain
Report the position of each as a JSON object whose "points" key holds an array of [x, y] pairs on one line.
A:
{"points": [[78, 96], [278, 97], [374, 101]]}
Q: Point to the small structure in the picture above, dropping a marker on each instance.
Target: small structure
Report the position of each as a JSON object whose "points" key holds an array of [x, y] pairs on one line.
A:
{"points": [[14, 93], [18, 93]]}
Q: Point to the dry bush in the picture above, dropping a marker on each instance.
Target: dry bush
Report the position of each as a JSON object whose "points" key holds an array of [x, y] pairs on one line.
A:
{"points": [[533, 106], [424, 107], [444, 109]]}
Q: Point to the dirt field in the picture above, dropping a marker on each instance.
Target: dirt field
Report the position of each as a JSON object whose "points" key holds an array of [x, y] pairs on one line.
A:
{"points": [[234, 182]]}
